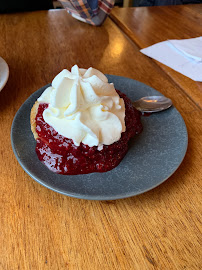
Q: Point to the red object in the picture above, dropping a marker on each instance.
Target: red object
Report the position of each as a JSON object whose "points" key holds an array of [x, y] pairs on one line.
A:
{"points": [[60, 154]]}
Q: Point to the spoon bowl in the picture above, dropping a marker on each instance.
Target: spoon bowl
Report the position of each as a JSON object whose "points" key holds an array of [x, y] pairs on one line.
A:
{"points": [[152, 104]]}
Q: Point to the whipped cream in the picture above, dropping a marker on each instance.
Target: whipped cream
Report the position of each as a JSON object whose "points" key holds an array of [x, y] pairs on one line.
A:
{"points": [[84, 107]]}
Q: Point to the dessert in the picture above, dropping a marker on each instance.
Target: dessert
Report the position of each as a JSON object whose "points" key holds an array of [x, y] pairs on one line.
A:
{"points": [[82, 124]]}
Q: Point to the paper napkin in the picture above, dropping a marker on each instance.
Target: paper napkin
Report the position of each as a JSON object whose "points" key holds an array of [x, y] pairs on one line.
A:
{"points": [[184, 56]]}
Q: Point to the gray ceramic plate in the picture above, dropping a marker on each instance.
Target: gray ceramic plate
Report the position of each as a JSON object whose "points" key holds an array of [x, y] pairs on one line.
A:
{"points": [[153, 156], [4, 73]]}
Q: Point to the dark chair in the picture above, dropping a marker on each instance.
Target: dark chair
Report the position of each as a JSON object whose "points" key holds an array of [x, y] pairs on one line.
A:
{"points": [[141, 3], [8, 6]]}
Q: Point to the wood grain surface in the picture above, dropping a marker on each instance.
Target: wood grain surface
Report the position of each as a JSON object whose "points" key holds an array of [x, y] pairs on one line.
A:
{"points": [[41, 229], [149, 25]]}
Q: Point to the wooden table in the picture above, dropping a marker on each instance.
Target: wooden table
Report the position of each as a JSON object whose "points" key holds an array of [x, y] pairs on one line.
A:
{"points": [[147, 26], [41, 229]]}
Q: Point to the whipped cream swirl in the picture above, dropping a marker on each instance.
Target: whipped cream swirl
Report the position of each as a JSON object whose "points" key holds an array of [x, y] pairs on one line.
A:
{"points": [[84, 107]]}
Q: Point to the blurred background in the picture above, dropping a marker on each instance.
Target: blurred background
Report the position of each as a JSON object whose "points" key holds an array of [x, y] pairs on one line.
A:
{"points": [[7, 6]]}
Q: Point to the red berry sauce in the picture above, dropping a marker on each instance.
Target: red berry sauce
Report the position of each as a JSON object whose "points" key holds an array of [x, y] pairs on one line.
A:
{"points": [[60, 154]]}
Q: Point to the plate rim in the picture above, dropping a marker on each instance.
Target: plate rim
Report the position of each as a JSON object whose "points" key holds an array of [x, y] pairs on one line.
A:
{"points": [[94, 197], [6, 71]]}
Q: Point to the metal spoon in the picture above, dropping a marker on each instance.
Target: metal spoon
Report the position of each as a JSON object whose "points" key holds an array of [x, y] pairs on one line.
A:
{"points": [[152, 104]]}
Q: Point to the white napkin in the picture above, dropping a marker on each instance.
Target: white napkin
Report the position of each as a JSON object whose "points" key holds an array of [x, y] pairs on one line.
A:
{"points": [[184, 56]]}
